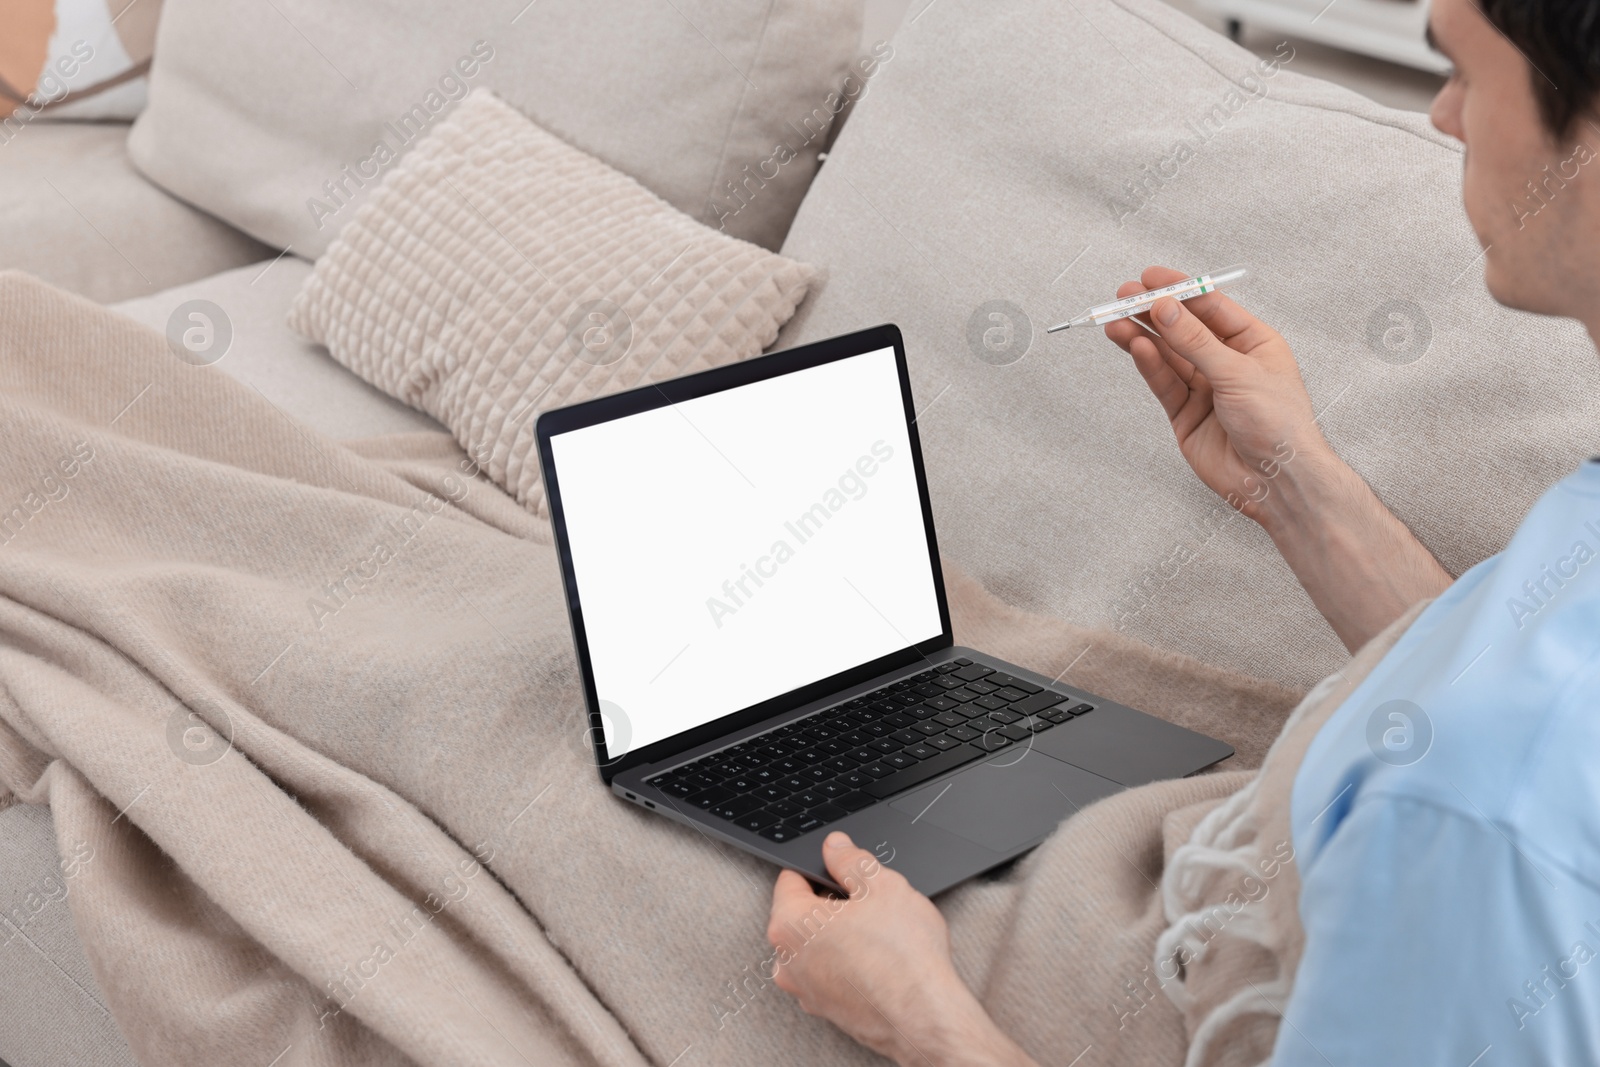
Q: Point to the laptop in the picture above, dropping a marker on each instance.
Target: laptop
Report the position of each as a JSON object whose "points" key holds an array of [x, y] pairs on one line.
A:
{"points": [[760, 621]]}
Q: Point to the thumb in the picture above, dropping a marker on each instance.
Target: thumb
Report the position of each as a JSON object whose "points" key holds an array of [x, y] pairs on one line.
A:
{"points": [[848, 863], [1193, 340]]}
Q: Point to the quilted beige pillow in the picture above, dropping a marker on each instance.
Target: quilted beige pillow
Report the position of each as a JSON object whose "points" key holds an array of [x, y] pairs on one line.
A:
{"points": [[498, 272]]}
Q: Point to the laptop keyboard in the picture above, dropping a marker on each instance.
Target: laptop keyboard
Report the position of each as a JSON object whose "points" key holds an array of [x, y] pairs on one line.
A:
{"points": [[808, 773]]}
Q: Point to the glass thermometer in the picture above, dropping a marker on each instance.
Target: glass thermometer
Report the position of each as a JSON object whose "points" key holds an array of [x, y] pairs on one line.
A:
{"points": [[1139, 303]]}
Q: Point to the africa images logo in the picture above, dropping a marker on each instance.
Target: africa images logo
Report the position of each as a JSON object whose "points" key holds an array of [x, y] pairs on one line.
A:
{"points": [[1399, 732], [999, 333]]}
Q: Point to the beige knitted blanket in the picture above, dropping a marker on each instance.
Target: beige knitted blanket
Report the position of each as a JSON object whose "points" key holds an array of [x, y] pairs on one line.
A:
{"points": [[307, 720], [1231, 891]]}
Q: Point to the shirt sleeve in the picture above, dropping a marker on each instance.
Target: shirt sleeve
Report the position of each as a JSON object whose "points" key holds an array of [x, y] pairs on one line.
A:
{"points": [[1434, 938]]}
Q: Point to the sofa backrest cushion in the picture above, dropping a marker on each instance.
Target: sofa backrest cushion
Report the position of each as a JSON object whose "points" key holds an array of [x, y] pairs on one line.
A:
{"points": [[279, 117], [1039, 153]]}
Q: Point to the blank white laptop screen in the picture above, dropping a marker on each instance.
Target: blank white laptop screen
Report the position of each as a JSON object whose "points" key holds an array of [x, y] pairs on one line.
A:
{"points": [[736, 546]]}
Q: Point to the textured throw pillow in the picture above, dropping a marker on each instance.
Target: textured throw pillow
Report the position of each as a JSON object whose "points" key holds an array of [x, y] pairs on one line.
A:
{"points": [[73, 59], [498, 272]]}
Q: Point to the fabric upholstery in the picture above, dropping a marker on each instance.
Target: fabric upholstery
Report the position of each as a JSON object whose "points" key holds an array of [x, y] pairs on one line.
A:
{"points": [[499, 272], [995, 159], [75, 212], [279, 117], [295, 375]]}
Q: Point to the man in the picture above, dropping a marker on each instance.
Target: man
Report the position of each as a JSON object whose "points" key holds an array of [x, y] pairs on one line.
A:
{"points": [[1451, 904]]}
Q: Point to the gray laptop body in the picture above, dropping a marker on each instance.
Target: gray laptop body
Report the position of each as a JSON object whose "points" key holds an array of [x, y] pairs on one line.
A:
{"points": [[762, 631]]}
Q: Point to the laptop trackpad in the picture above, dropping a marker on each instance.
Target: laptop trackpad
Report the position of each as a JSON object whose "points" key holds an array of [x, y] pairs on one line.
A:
{"points": [[1014, 798]]}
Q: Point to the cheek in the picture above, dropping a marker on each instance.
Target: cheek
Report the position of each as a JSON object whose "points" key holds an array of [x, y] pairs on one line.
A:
{"points": [[1476, 193], [1497, 168]]}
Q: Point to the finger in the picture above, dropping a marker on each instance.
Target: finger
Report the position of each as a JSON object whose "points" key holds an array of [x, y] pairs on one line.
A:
{"points": [[1168, 388], [1195, 410], [1157, 278], [1123, 331], [1180, 366], [1222, 316], [791, 891], [1127, 332], [791, 895], [1193, 341], [847, 862], [1230, 322], [1127, 289], [1184, 395]]}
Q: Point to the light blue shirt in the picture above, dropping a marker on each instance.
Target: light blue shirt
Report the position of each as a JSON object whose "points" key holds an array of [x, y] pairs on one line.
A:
{"points": [[1446, 820]]}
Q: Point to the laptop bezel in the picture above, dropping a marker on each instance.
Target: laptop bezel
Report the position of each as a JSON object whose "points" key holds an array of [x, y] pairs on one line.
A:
{"points": [[558, 421]]}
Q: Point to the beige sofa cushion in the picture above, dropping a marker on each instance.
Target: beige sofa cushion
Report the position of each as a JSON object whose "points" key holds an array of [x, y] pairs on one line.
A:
{"points": [[279, 117], [74, 212], [995, 159], [499, 272], [251, 306]]}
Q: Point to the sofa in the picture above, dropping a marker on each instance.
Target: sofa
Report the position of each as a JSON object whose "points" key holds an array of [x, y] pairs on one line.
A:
{"points": [[1001, 167]]}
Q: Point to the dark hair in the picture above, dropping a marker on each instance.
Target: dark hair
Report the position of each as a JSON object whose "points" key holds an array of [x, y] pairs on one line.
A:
{"points": [[1561, 40]]}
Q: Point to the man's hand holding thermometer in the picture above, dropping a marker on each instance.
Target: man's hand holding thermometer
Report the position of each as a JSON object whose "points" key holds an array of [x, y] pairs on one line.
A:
{"points": [[1227, 381], [1231, 389]]}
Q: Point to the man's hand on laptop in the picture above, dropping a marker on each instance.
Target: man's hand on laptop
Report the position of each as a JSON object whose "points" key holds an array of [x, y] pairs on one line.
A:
{"points": [[1232, 390], [878, 965]]}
